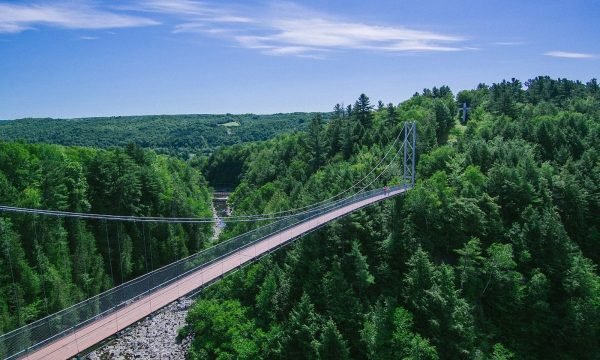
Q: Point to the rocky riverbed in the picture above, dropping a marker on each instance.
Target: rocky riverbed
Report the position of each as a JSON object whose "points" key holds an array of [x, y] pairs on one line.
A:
{"points": [[220, 210], [154, 337]]}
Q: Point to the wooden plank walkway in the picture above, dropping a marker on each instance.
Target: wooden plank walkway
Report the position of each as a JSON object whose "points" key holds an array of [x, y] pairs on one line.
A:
{"points": [[85, 337]]}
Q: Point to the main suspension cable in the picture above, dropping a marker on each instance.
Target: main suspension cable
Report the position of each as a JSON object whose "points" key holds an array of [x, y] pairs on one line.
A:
{"points": [[240, 218], [338, 194]]}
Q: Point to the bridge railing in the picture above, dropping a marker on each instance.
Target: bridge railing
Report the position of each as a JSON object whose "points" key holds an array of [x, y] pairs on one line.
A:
{"points": [[36, 334]]}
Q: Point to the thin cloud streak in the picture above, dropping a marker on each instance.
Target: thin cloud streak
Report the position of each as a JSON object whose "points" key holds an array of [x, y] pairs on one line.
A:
{"points": [[509, 43], [310, 34], [322, 34], [292, 50], [17, 18], [179, 7], [189, 9], [569, 55]]}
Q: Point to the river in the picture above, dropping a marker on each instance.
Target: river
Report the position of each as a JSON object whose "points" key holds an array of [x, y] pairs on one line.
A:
{"points": [[220, 210]]}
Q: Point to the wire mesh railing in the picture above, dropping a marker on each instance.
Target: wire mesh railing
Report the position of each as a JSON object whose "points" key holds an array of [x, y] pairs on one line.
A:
{"points": [[41, 332]]}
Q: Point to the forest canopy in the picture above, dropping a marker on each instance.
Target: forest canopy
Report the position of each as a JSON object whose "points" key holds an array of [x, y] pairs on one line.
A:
{"points": [[493, 254], [48, 264], [177, 135]]}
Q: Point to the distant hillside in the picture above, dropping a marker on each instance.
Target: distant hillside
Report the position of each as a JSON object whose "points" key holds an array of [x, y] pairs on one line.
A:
{"points": [[179, 135]]}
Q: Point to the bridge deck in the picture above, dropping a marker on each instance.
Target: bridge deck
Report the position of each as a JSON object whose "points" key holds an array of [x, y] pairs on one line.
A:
{"points": [[98, 330]]}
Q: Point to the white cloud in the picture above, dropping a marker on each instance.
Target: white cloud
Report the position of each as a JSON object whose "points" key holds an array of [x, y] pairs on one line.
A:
{"points": [[179, 7], [283, 29], [312, 35], [509, 43], [190, 27], [189, 9], [201, 28], [11, 28], [292, 30], [326, 33], [16, 18], [231, 19], [569, 55], [292, 50]]}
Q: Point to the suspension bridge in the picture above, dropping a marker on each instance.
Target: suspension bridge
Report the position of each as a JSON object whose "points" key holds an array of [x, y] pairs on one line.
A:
{"points": [[71, 331]]}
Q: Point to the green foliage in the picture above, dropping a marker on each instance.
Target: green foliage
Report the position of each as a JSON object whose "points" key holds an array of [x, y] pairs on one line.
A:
{"points": [[362, 112], [223, 331], [315, 143], [407, 345], [501, 353], [493, 252], [333, 345], [362, 276], [178, 135], [51, 263], [300, 335], [224, 167]]}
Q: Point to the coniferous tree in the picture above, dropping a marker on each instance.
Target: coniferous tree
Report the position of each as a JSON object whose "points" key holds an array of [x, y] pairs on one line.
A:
{"points": [[362, 112], [264, 299], [407, 345], [348, 141], [349, 111], [340, 303], [316, 142], [444, 120], [300, 339], [333, 345], [376, 334], [363, 278], [338, 111], [223, 331], [391, 114]]}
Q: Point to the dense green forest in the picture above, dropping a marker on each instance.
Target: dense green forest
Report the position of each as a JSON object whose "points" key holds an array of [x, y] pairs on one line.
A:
{"points": [[47, 264], [177, 135], [493, 254]]}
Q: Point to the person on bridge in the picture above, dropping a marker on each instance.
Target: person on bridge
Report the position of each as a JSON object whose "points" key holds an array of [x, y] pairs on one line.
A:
{"points": [[386, 190]]}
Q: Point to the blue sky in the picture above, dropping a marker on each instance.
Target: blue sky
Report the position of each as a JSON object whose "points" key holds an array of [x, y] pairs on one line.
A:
{"points": [[102, 58]]}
